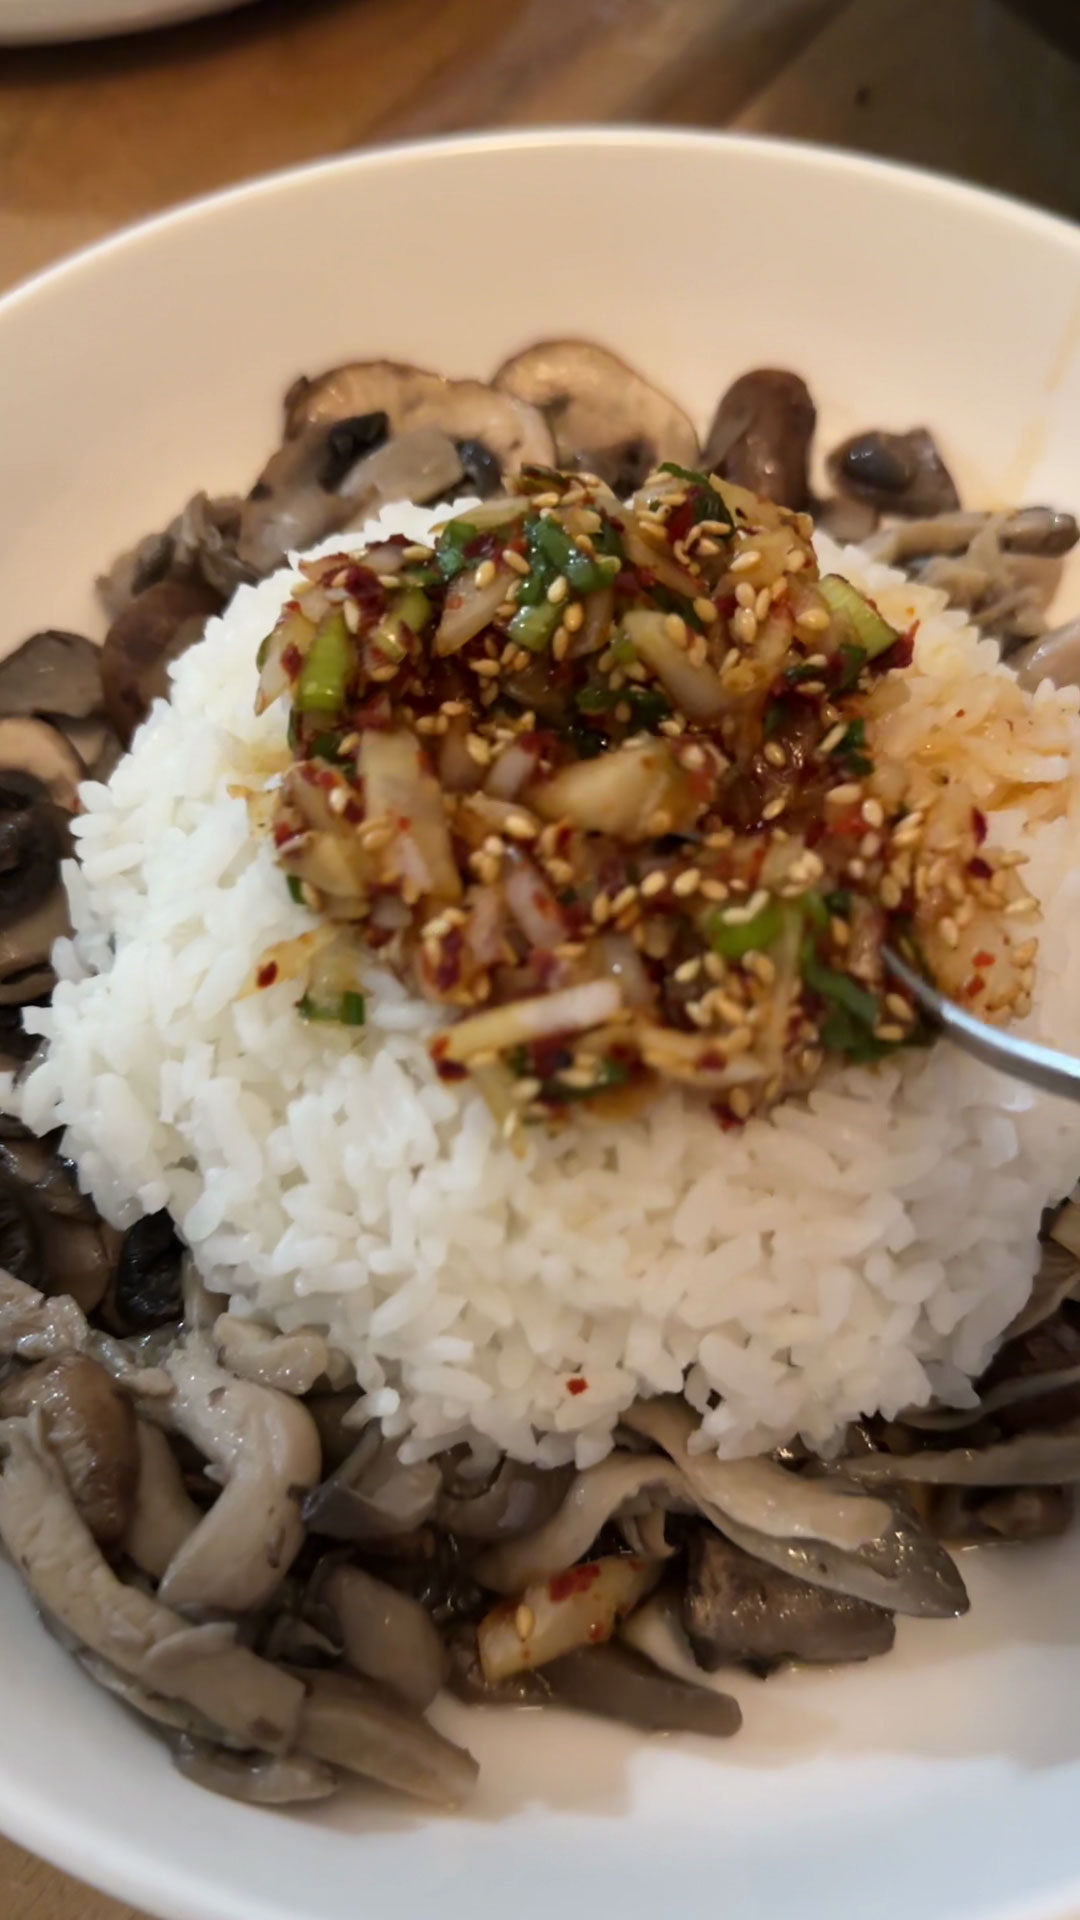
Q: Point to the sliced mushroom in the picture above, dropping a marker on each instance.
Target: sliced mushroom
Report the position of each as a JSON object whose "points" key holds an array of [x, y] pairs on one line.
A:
{"points": [[1041, 532], [896, 472], [372, 1495], [353, 1724], [256, 1779], [52, 673], [761, 435], [624, 1483], [514, 434], [16, 1045], [1040, 1459], [163, 1517], [26, 970], [54, 1550], [95, 743], [288, 1362], [903, 1571], [266, 1449], [604, 417], [616, 1683], [739, 1611], [146, 1290], [36, 751], [33, 1327], [1052, 656], [49, 1177], [968, 1516], [143, 641], [387, 1635], [171, 1714], [758, 1493], [517, 1501], [91, 1429], [1057, 1279]]}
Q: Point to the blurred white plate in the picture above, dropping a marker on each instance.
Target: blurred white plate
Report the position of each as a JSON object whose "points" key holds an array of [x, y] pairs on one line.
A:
{"points": [[944, 1781], [24, 22]]}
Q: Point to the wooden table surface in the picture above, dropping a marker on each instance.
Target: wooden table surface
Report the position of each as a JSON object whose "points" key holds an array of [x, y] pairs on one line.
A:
{"points": [[94, 136]]}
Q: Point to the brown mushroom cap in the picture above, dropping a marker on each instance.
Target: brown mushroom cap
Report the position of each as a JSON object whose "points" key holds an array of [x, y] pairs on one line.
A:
{"points": [[604, 417], [155, 629], [91, 1429]]}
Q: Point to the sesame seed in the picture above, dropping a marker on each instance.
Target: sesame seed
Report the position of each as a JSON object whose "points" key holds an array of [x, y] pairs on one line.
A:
{"points": [[1025, 905], [338, 800], [693, 757], [485, 668], [383, 673], [857, 869], [744, 626], [1025, 954], [763, 603], [660, 822], [794, 560], [477, 749], [891, 892], [688, 971], [601, 909], [624, 712], [893, 1035], [525, 1090], [626, 898], [520, 827], [743, 561], [774, 754], [745, 595], [870, 846], [814, 620], [453, 708], [949, 931], [675, 628], [686, 883], [740, 1103], [705, 610], [574, 617], [873, 813], [832, 739], [698, 650], [761, 966], [774, 808], [714, 890], [351, 613], [524, 1621], [653, 884], [560, 645], [545, 499], [516, 561], [715, 967], [558, 590], [840, 931], [485, 574], [495, 845]]}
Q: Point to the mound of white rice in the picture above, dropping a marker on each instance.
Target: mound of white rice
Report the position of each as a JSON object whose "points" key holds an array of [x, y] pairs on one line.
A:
{"points": [[861, 1250]]}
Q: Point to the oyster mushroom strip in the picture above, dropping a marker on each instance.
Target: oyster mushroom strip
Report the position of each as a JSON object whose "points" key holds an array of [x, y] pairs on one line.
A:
{"points": [[91, 1428], [55, 1552], [1039, 1459], [604, 417], [285, 1362], [1039, 531], [761, 436], [552, 1617], [34, 1326], [737, 1609], [265, 1448], [386, 1635], [372, 1495], [610, 1681], [257, 1779], [163, 1516], [253, 1704], [900, 1568]]}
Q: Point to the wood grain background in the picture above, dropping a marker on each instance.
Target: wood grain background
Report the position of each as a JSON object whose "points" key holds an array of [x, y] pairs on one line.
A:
{"points": [[94, 136]]}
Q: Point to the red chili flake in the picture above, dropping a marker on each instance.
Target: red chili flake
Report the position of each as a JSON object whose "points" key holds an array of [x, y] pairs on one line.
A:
{"points": [[283, 833], [267, 975], [961, 713], [975, 986], [980, 869], [448, 972], [901, 653], [627, 581], [983, 959], [575, 1580], [354, 812], [577, 1386], [978, 825], [599, 1630], [683, 517], [446, 1069], [292, 660]]}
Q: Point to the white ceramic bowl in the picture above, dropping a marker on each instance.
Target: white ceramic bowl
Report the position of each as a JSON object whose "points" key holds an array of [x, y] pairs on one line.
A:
{"points": [[944, 1781], [27, 22]]}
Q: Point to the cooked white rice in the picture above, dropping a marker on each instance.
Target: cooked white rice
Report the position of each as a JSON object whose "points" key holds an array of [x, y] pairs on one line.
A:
{"points": [[859, 1250]]}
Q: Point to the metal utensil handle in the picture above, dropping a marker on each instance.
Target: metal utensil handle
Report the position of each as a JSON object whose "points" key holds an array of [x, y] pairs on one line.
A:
{"points": [[1042, 1067]]}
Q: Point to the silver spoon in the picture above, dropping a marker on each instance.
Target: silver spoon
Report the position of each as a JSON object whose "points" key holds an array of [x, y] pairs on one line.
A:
{"points": [[1042, 1067]]}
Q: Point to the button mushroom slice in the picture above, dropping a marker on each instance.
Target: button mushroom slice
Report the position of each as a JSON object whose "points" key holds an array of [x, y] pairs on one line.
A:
{"points": [[896, 472], [35, 749], [287, 1362], [143, 641], [387, 1636], [604, 417], [95, 743], [91, 1429], [761, 436], [265, 1448], [245, 1697], [737, 1610], [52, 673], [146, 1291], [163, 1517], [758, 1493], [353, 1724], [513, 433], [26, 970], [616, 1683], [37, 1163], [624, 1483], [305, 493], [256, 1779]]}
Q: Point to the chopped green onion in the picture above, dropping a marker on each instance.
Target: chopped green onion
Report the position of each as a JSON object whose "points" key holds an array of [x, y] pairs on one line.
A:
{"points": [[839, 902], [347, 1011], [296, 889], [533, 626], [814, 909], [670, 602], [854, 659], [548, 538], [607, 541], [647, 707], [623, 651], [411, 609], [326, 746], [597, 699], [450, 548], [264, 652], [324, 676], [840, 1033], [731, 939], [839, 988], [708, 503], [870, 632]]}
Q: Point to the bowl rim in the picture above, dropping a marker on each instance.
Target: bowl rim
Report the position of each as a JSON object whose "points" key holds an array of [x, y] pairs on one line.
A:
{"points": [[76, 1847]]}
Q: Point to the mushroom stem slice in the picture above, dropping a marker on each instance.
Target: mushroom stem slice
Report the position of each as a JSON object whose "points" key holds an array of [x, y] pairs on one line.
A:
{"points": [[163, 1517], [351, 1723]]}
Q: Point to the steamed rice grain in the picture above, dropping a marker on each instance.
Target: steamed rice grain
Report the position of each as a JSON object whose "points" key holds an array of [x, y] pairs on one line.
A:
{"points": [[858, 1251]]}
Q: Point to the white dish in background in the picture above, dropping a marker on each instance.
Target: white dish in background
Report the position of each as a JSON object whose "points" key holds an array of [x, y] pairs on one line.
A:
{"points": [[27, 22], [942, 1781]]}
